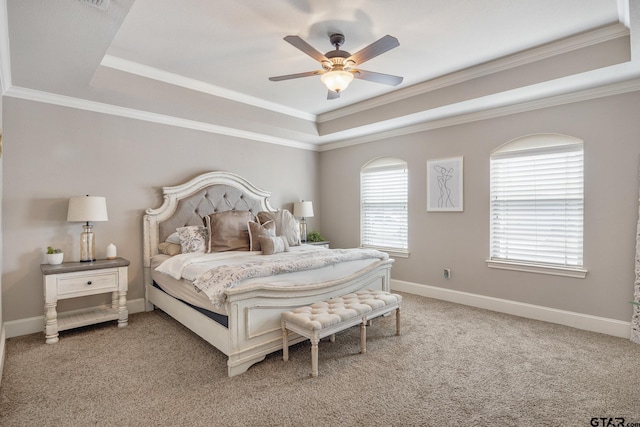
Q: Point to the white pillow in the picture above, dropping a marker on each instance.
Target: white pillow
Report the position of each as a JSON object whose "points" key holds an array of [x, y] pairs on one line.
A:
{"points": [[173, 238], [273, 245], [286, 225]]}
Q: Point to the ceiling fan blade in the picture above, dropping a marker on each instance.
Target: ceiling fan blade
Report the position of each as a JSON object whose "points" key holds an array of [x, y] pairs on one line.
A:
{"points": [[333, 95], [374, 49], [385, 79], [296, 41], [296, 76]]}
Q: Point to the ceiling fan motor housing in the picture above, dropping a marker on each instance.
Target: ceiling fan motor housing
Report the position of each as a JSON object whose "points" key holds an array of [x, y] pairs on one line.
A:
{"points": [[337, 57], [336, 39]]}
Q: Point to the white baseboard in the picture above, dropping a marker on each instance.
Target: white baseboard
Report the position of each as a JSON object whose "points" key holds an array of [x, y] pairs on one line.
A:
{"points": [[3, 349], [32, 325], [603, 325], [617, 328]]}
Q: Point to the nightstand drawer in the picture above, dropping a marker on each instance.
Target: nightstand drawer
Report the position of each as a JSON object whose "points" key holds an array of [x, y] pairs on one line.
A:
{"points": [[73, 285]]}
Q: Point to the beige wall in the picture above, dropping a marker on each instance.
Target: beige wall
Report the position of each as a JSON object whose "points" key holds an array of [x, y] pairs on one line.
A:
{"points": [[610, 129], [52, 153]]}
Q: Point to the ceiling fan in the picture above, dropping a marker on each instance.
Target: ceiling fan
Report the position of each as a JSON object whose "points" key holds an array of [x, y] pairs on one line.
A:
{"points": [[339, 66]]}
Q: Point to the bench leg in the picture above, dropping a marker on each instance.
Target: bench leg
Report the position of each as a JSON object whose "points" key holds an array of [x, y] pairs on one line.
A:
{"points": [[314, 356], [332, 338], [398, 321], [285, 342], [363, 337]]}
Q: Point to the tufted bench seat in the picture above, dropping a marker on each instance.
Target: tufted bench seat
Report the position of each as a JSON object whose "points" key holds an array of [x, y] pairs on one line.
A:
{"points": [[325, 318]]}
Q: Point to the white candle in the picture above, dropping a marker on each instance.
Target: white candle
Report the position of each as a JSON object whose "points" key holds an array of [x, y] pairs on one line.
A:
{"points": [[111, 251]]}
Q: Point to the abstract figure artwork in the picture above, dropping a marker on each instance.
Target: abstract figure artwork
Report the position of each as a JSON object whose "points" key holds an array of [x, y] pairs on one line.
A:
{"points": [[444, 185]]}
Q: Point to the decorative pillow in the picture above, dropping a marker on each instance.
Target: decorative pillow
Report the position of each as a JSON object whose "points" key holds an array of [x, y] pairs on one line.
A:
{"points": [[268, 229], [173, 238], [286, 225], [228, 231], [169, 248], [273, 245], [193, 238]]}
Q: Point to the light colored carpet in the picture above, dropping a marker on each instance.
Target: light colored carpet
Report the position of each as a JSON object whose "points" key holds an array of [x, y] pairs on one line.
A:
{"points": [[453, 365]]}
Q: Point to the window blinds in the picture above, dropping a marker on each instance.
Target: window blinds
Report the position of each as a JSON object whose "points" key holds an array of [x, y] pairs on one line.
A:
{"points": [[537, 206], [384, 195]]}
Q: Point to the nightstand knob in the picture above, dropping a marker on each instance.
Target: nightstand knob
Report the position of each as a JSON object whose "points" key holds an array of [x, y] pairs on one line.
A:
{"points": [[89, 282]]}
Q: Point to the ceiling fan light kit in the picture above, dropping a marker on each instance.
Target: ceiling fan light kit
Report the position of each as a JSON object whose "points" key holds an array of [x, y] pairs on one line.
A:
{"points": [[337, 81], [338, 66]]}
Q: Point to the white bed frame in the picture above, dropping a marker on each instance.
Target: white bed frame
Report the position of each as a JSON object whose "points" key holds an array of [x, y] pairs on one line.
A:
{"points": [[253, 315]]}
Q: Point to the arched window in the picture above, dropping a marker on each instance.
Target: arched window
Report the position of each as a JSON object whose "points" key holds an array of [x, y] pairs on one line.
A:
{"points": [[384, 205], [537, 205]]}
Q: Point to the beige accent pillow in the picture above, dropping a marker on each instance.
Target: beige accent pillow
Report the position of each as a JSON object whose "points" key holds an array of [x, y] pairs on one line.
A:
{"points": [[286, 225], [228, 231], [256, 230], [273, 245], [168, 248]]}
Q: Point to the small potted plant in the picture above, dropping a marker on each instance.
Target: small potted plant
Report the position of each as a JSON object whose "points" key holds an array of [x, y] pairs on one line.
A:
{"points": [[314, 236], [54, 256]]}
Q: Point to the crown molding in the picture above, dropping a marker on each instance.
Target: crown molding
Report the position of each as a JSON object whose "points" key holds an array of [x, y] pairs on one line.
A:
{"points": [[490, 113], [439, 118], [5, 56], [114, 110], [600, 35], [613, 80], [138, 69], [623, 12]]}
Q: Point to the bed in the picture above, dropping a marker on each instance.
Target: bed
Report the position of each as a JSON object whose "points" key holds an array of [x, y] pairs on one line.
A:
{"points": [[245, 323]]}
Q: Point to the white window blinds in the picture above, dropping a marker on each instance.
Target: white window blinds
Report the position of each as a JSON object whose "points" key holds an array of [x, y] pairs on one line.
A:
{"points": [[384, 198], [537, 205]]}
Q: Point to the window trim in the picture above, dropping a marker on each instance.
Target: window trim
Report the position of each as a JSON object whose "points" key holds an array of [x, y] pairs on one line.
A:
{"points": [[516, 148], [578, 273], [385, 163], [394, 252]]}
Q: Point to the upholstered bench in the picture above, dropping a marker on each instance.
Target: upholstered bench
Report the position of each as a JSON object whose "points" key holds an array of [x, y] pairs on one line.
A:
{"points": [[325, 318]]}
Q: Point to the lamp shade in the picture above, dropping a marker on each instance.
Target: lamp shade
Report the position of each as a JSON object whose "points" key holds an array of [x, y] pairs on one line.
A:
{"points": [[87, 208], [337, 81], [303, 209]]}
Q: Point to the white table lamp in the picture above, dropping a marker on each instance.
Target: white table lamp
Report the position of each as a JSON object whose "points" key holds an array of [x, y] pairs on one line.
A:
{"points": [[303, 210], [87, 209]]}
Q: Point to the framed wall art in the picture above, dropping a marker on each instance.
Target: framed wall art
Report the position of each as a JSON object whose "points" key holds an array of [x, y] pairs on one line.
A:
{"points": [[444, 185]]}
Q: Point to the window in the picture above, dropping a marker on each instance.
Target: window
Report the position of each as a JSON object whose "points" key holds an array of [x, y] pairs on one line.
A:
{"points": [[537, 205], [383, 208]]}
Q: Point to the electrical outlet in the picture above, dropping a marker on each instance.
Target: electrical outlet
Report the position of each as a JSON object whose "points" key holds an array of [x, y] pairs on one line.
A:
{"points": [[447, 273]]}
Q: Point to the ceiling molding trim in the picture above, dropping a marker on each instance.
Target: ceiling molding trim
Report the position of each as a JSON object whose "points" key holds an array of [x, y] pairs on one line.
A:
{"points": [[623, 12], [600, 35], [5, 51], [138, 69], [114, 110], [572, 97]]}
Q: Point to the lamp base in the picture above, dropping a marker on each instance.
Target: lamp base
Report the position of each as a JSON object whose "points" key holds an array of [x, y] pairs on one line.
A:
{"points": [[87, 244], [303, 231]]}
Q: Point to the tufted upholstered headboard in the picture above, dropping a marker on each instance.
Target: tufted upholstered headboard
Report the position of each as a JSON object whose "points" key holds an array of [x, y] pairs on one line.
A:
{"points": [[216, 198], [188, 203]]}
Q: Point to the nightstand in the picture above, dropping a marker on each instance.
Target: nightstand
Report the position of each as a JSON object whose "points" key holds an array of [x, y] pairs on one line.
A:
{"points": [[79, 279], [323, 244]]}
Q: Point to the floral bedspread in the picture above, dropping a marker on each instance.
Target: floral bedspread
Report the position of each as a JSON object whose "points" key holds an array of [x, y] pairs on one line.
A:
{"points": [[216, 280]]}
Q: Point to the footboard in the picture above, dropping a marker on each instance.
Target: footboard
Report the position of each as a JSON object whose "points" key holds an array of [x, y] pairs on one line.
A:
{"points": [[254, 313]]}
